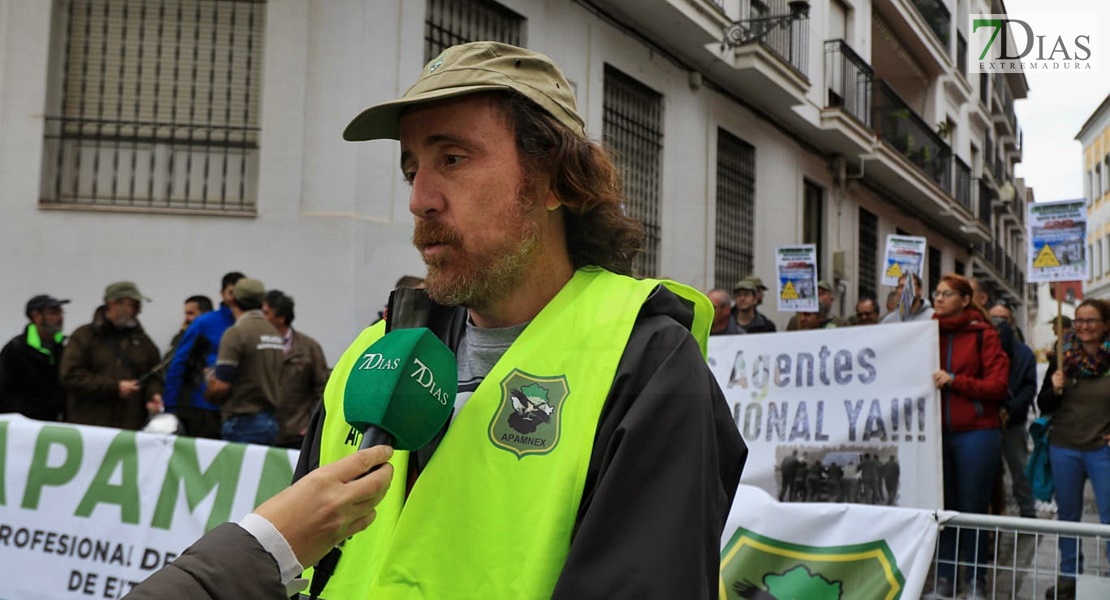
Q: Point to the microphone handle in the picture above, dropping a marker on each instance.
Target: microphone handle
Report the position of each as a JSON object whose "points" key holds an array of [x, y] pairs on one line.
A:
{"points": [[376, 436]]}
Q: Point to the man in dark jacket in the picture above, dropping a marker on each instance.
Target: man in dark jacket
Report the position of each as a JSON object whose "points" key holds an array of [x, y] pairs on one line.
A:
{"points": [[303, 374], [29, 363], [1015, 411], [748, 319], [108, 366]]}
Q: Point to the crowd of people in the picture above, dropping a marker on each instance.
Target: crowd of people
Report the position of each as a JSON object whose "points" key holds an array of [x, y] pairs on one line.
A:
{"points": [[854, 477], [988, 384], [238, 372]]}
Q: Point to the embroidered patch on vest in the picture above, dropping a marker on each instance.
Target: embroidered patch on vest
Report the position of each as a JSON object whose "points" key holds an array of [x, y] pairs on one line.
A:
{"points": [[528, 420]]}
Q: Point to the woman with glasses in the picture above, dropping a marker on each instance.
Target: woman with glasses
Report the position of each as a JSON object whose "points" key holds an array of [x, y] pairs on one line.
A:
{"points": [[1079, 401], [973, 381]]}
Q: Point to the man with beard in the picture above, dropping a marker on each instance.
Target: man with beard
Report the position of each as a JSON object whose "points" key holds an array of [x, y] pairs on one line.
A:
{"points": [[107, 366], [519, 220], [29, 363]]}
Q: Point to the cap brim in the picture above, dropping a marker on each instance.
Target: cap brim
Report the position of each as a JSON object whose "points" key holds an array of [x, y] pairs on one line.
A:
{"points": [[382, 121]]}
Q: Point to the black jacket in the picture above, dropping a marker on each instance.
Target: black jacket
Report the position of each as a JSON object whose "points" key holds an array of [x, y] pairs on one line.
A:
{"points": [[29, 380], [227, 563], [635, 536]]}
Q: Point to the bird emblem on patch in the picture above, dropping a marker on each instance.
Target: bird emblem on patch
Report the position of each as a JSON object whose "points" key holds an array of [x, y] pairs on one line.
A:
{"points": [[528, 420]]}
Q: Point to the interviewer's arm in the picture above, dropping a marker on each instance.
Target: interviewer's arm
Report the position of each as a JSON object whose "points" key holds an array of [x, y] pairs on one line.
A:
{"points": [[313, 515]]}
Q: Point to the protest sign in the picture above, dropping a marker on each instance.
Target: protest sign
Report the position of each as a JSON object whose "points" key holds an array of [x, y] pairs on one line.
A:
{"points": [[835, 417], [1058, 242], [904, 254], [796, 286], [823, 551], [88, 512]]}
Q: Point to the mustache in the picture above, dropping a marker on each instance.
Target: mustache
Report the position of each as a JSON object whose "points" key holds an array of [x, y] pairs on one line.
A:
{"points": [[427, 233]]}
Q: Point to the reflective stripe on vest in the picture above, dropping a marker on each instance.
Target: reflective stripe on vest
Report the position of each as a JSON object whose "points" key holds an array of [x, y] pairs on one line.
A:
{"points": [[492, 513]]}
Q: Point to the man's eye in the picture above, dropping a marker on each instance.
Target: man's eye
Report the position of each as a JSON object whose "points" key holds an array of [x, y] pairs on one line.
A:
{"points": [[408, 176], [453, 159]]}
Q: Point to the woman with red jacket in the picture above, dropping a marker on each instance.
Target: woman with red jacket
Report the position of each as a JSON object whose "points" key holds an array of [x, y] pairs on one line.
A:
{"points": [[973, 381]]}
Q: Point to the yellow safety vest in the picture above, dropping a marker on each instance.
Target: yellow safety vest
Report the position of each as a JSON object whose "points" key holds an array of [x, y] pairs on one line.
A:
{"points": [[491, 515]]}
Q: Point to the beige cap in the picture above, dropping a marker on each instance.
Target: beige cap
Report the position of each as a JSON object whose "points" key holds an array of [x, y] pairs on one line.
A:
{"points": [[469, 69]]}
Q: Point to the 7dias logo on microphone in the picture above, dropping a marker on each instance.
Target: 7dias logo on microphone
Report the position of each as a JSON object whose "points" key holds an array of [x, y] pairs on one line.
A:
{"points": [[1055, 43]]}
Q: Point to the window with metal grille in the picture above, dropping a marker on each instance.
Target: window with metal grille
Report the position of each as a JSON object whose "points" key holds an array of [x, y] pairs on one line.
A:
{"points": [[868, 254], [632, 125], [450, 22], [154, 105], [934, 270], [735, 210]]}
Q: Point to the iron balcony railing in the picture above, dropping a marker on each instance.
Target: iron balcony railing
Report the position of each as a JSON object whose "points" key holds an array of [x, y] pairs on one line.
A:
{"points": [[849, 81], [902, 129], [791, 41], [938, 18], [961, 183]]}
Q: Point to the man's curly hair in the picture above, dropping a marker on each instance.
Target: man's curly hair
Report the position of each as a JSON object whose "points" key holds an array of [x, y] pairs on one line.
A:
{"points": [[586, 182]]}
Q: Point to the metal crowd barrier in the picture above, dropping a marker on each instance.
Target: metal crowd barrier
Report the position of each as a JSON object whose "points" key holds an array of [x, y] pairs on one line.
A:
{"points": [[1023, 561]]}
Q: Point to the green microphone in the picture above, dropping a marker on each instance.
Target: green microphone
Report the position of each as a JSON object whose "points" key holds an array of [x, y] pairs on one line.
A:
{"points": [[401, 390]]}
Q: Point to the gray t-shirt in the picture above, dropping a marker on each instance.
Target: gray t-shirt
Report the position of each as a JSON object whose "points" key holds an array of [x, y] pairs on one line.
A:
{"points": [[479, 350]]}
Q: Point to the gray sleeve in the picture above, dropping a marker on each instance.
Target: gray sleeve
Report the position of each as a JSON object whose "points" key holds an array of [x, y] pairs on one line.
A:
{"points": [[227, 563]]}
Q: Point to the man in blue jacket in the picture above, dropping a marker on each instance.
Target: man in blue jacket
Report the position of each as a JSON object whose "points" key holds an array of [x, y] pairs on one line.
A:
{"points": [[184, 391]]}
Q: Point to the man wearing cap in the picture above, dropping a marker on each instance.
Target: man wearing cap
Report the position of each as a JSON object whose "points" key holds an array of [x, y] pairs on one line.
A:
{"points": [[108, 368], [29, 363], [199, 345], [519, 220], [246, 383], [758, 281], [745, 295]]}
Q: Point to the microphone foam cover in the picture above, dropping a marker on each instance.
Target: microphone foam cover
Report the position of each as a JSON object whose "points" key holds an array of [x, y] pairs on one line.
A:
{"points": [[404, 383]]}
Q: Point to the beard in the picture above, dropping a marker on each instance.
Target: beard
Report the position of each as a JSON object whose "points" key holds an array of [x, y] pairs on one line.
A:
{"points": [[476, 277]]}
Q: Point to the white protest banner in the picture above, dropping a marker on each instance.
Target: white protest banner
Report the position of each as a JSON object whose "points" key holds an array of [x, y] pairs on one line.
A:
{"points": [[846, 415], [88, 512], [904, 254], [796, 268], [824, 551], [1058, 242]]}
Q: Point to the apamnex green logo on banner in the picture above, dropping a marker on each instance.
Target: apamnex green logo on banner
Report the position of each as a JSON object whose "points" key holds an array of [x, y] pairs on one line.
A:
{"points": [[754, 566]]}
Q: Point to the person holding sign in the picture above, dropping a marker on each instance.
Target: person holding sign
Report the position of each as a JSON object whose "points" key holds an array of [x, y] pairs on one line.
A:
{"points": [[911, 305], [1078, 441], [973, 381]]}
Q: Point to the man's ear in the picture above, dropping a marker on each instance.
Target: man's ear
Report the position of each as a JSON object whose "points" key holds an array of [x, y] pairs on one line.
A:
{"points": [[551, 201]]}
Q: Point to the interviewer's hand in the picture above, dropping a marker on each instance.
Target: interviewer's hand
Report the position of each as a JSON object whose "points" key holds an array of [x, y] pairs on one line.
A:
{"points": [[330, 504], [1058, 382]]}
